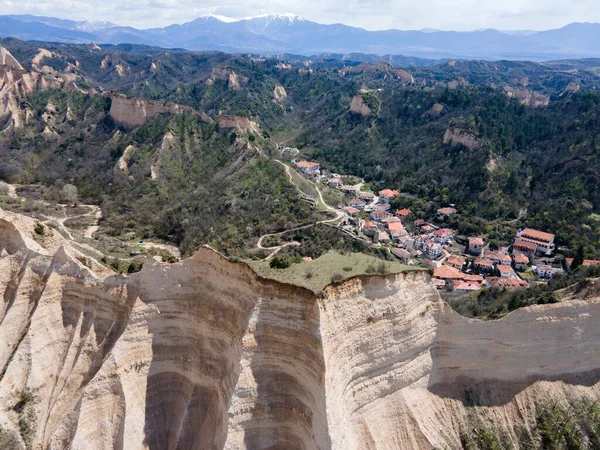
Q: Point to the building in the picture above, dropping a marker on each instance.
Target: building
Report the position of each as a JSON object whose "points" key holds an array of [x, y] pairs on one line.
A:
{"points": [[432, 250], [443, 235], [403, 213], [379, 215], [397, 230], [545, 271], [448, 273], [521, 261], [387, 194], [401, 254], [308, 167], [446, 212], [352, 212], [335, 183], [506, 271], [485, 265], [506, 283], [476, 245], [464, 287], [356, 203], [381, 237], [523, 247], [498, 258], [503, 251], [392, 219], [456, 261], [367, 196], [382, 207], [370, 228], [427, 229], [351, 190], [543, 241], [419, 223]]}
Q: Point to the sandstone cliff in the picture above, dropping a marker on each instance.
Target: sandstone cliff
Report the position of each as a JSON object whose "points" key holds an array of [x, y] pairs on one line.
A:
{"points": [[135, 112], [458, 136], [204, 354], [242, 124], [359, 106]]}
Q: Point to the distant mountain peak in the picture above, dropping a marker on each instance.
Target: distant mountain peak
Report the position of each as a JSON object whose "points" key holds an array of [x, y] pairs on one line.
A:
{"points": [[89, 26], [284, 17], [218, 17]]}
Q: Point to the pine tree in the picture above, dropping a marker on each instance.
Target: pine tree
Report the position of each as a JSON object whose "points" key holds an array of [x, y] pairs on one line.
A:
{"points": [[578, 260]]}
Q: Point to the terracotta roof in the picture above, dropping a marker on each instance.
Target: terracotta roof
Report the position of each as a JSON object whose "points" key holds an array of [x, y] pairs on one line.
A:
{"points": [[351, 210], [448, 273], [586, 262], [307, 164], [469, 277], [483, 262], [426, 228], [380, 214], [505, 269], [370, 224], [520, 258], [447, 211], [439, 283], [508, 283], [467, 286], [498, 257], [403, 212], [537, 235], [383, 236], [307, 259], [382, 207], [476, 241], [519, 243], [456, 260], [443, 232], [389, 193], [395, 227], [391, 220], [419, 222], [400, 253]]}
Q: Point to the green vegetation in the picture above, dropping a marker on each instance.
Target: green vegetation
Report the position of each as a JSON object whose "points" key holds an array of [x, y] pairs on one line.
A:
{"points": [[318, 273], [39, 229]]}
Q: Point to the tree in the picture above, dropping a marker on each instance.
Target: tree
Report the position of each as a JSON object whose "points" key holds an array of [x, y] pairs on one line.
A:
{"points": [[70, 194], [579, 256]]}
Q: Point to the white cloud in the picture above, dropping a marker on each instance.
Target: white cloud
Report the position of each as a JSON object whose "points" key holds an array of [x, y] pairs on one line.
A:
{"points": [[370, 14]]}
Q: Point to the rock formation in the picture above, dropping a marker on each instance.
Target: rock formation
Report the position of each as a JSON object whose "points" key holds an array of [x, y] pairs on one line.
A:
{"points": [[135, 112], [458, 136], [435, 110], [205, 354], [279, 94], [241, 124], [359, 106], [527, 97]]}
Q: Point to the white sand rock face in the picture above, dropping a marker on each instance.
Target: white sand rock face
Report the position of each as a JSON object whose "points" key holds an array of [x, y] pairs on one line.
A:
{"points": [[204, 354]]}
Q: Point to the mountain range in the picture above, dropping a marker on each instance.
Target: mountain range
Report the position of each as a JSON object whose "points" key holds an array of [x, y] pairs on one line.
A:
{"points": [[286, 33]]}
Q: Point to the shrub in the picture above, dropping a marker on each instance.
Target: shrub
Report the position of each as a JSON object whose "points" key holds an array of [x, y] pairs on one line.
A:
{"points": [[284, 261], [337, 278], [308, 273], [39, 229]]}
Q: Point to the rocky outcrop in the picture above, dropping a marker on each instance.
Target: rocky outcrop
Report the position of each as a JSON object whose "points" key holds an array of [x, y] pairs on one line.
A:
{"points": [[435, 110], [527, 97], [459, 136], [6, 59], [123, 162], [234, 81], [279, 94], [135, 112], [205, 354], [358, 106], [241, 124]]}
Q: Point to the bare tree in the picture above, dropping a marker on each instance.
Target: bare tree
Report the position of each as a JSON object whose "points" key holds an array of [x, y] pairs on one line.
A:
{"points": [[70, 194]]}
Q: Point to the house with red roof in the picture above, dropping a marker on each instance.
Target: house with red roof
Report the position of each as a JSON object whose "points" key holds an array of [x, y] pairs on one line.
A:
{"points": [[586, 262], [498, 258], [485, 265], [448, 273], [379, 215], [427, 229], [382, 207], [521, 261], [432, 250], [352, 212], [443, 235], [446, 212], [419, 223], [506, 271], [367, 196], [370, 228], [456, 261], [464, 287], [506, 283], [476, 245], [381, 237], [543, 241], [308, 167], [403, 213], [356, 203], [524, 247], [386, 194]]}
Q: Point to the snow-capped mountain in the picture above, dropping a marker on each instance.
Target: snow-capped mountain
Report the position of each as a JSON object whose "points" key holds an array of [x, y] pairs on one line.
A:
{"points": [[289, 33]]}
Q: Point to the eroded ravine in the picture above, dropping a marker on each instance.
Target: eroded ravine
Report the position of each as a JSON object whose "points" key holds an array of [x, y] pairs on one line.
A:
{"points": [[205, 354]]}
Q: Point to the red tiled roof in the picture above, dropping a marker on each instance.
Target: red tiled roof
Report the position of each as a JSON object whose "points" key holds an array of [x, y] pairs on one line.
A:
{"points": [[447, 211], [395, 227], [426, 228], [419, 222], [443, 232], [586, 262], [537, 235], [521, 244], [382, 207], [505, 269], [351, 210], [483, 262], [467, 286], [469, 277], [476, 241], [307, 164], [498, 256], [508, 283], [520, 258], [448, 273], [380, 214], [391, 220], [307, 259], [383, 236], [403, 212], [389, 193], [370, 224], [456, 260]]}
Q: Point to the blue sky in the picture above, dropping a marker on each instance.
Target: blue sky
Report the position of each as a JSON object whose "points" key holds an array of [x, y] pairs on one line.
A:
{"points": [[370, 14]]}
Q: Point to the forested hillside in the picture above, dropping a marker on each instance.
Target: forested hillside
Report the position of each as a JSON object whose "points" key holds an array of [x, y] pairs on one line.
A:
{"points": [[503, 141]]}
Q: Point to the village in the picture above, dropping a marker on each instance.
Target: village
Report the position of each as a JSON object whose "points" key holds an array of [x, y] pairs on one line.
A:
{"points": [[460, 264]]}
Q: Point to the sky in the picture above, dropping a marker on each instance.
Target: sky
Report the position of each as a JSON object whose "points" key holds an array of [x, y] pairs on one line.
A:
{"points": [[460, 15]]}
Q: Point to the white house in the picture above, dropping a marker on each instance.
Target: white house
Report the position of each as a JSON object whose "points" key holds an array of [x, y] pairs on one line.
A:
{"points": [[432, 250]]}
